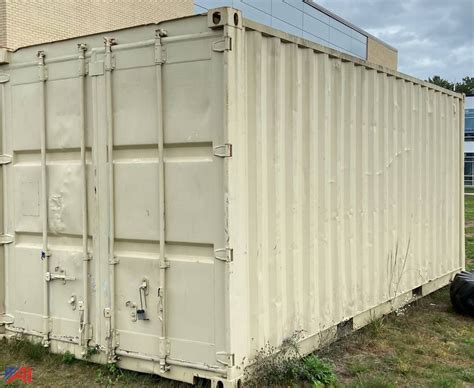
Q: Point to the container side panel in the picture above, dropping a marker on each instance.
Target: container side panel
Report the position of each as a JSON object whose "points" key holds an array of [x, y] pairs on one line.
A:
{"points": [[345, 190]]}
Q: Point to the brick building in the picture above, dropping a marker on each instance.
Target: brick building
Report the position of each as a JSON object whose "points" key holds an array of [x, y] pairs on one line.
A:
{"points": [[27, 22]]}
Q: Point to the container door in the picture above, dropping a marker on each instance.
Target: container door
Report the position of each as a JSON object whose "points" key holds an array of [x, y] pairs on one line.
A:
{"points": [[45, 100], [194, 198]]}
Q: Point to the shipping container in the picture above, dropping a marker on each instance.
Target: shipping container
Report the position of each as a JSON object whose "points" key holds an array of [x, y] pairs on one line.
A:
{"points": [[179, 195]]}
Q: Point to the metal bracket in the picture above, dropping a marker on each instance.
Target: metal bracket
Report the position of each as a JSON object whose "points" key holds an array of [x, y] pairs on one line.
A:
{"points": [[160, 51], [114, 261], [224, 254], [164, 264], [229, 356], [109, 62], [5, 159], [223, 151], [50, 276], [225, 44], [164, 346], [160, 55], [45, 254], [6, 239], [43, 73], [6, 319], [107, 312], [4, 78], [82, 48], [42, 68]]}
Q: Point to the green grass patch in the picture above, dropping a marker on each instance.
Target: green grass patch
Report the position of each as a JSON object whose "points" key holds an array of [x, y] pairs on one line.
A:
{"points": [[469, 208], [68, 358], [429, 345], [55, 370], [284, 366]]}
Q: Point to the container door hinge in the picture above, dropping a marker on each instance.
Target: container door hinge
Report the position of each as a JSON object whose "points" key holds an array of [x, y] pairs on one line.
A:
{"points": [[5, 159], [229, 359], [6, 239], [224, 254], [225, 44], [223, 150]]}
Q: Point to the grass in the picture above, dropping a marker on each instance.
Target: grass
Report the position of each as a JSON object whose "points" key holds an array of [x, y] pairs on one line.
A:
{"points": [[64, 370], [469, 189], [426, 346], [469, 216], [286, 367]]}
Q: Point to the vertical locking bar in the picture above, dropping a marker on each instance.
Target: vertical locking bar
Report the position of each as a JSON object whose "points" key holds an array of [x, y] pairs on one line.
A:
{"points": [[45, 254], [159, 61], [84, 323], [3, 160], [111, 335]]}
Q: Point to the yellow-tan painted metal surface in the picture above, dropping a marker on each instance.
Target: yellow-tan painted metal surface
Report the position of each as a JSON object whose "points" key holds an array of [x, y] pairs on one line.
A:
{"points": [[181, 194]]}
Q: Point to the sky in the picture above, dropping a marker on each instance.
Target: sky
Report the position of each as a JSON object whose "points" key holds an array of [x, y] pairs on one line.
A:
{"points": [[433, 37]]}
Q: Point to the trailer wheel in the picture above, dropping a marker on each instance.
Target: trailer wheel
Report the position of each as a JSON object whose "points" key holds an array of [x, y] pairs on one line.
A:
{"points": [[462, 293]]}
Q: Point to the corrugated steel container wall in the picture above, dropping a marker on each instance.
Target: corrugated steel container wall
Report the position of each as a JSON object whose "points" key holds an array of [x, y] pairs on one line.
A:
{"points": [[249, 183], [345, 188]]}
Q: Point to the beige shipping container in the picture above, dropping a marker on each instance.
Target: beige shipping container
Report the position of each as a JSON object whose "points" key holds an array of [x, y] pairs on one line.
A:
{"points": [[179, 195]]}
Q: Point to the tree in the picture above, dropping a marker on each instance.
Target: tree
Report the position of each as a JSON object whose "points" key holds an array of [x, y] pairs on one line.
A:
{"points": [[466, 86], [437, 80]]}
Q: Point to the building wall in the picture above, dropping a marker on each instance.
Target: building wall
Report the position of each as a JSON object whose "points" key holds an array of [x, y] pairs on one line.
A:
{"points": [[25, 22], [299, 18], [3, 20], [469, 141], [32, 22], [380, 54]]}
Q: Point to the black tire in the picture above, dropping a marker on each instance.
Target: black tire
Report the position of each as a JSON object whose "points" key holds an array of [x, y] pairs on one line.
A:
{"points": [[462, 293]]}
